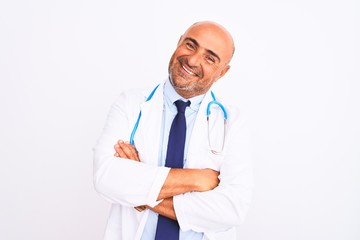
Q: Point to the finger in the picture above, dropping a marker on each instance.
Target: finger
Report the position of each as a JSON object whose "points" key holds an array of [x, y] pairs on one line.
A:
{"points": [[126, 150], [140, 208], [130, 151], [117, 148], [119, 151]]}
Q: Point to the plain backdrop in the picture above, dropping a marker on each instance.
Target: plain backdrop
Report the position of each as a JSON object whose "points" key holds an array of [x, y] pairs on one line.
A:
{"points": [[295, 75]]}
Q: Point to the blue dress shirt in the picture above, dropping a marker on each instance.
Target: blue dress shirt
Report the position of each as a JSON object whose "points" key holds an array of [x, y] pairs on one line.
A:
{"points": [[169, 112]]}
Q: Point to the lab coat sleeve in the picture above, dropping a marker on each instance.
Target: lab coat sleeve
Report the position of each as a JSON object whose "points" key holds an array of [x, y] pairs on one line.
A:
{"points": [[225, 206], [119, 180]]}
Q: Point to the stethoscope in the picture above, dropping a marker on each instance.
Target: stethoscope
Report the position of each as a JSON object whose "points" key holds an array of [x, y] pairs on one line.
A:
{"points": [[208, 113]]}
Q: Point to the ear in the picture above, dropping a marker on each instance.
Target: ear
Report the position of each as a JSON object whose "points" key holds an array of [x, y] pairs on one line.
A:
{"points": [[224, 71]]}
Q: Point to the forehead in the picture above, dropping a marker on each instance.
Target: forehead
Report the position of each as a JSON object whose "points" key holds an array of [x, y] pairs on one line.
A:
{"points": [[212, 38]]}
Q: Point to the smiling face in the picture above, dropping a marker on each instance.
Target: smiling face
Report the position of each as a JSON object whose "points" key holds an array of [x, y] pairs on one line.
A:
{"points": [[201, 58]]}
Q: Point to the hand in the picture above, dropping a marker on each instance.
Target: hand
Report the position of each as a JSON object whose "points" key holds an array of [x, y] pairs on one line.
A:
{"points": [[207, 180], [140, 208], [126, 150]]}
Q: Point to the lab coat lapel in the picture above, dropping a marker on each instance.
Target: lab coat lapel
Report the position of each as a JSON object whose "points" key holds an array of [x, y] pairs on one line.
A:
{"points": [[149, 129], [199, 151], [198, 140]]}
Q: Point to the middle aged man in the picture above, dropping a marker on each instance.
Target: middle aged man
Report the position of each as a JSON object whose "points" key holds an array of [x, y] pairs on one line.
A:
{"points": [[180, 176]]}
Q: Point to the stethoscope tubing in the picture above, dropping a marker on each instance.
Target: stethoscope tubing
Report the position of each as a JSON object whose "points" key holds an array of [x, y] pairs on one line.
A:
{"points": [[208, 113]]}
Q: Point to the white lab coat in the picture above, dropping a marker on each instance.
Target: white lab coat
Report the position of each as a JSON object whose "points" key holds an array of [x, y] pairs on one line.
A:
{"points": [[127, 183]]}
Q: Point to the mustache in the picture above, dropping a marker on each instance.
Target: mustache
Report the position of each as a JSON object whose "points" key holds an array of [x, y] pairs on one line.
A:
{"points": [[196, 70]]}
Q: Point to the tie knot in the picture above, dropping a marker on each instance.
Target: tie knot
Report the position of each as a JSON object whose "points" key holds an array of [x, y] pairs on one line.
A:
{"points": [[181, 105]]}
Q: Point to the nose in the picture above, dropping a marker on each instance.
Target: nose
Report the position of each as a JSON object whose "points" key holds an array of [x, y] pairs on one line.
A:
{"points": [[194, 59]]}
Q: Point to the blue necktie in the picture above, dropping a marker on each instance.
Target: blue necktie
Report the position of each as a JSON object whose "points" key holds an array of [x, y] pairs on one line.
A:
{"points": [[168, 229]]}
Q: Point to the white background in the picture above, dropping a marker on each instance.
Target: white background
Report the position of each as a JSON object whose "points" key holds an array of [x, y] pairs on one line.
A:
{"points": [[295, 75]]}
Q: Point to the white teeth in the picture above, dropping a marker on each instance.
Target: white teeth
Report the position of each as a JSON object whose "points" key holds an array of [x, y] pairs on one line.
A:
{"points": [[187, 70]]}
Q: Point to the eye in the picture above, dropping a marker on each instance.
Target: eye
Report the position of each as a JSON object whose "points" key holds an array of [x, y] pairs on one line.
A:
{"points": [[190, 46], [210, 59]]}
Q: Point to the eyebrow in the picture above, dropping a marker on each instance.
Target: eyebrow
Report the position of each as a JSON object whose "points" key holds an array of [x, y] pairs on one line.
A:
{"points": [[208, 50]]}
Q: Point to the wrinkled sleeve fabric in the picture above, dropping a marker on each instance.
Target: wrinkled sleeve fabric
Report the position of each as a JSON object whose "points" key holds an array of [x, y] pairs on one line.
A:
{"points": [[123, 181], [225, 206]]}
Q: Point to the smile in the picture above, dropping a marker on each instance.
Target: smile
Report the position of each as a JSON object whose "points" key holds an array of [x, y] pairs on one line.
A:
{"points": [[188, 70]]}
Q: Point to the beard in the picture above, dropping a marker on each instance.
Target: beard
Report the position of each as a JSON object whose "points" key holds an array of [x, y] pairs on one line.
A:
{"points": [[180, 77]]}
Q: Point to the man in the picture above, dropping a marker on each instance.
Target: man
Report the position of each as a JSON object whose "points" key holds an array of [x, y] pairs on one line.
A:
{"points": [[205, 194]]}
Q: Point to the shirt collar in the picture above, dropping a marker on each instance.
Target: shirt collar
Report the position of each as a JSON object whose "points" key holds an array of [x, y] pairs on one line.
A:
{"points": [[171, 96]]}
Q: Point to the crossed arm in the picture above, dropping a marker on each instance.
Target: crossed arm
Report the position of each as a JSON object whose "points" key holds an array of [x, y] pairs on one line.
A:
{"points": [[178, 181]]}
